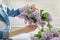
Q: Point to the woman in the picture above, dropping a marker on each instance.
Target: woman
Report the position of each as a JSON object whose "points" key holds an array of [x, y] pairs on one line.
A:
{"points": [[5, 12]]}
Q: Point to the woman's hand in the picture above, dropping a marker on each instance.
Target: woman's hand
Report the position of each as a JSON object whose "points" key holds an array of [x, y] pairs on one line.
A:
{"points": [[30, 28], [33, 7], [26, 29]]}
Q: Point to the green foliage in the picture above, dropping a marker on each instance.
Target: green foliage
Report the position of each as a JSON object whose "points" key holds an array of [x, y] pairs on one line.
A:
{"points": [[42, 30], [28, 12], [59, 30], [44, 15], [41, 12], [34, 19], [26, 17], [49, 26], [39, 33], [43, 18]]}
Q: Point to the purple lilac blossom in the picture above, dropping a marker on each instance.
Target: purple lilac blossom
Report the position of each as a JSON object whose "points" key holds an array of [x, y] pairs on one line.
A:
{"points": [[48, 34], [48, 16], [43, 36], [22, 15], [33, 38], [25, 7], [55, 38], [30, 22], [55, 31], [49, 19], [38, 18]]}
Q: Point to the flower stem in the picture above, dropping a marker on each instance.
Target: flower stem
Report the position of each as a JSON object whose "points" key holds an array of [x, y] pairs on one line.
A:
{"points": [[37, 26]]}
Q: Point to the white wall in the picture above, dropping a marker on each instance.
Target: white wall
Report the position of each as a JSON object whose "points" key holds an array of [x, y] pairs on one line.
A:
{"points": [[0, 1], [52, 6]]}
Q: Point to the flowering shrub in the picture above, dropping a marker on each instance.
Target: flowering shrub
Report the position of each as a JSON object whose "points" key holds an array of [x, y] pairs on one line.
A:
{"points": [[31, 15]]}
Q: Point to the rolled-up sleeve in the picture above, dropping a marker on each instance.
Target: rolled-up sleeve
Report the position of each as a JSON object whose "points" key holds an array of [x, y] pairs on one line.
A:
{"points": [[14, 12]]}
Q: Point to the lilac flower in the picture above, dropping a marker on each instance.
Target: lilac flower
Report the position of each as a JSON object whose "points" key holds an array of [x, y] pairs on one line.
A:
{"points": [[55, 38], [33, 38], [38, 18], [49, 35], [26, 7], [49, 19], [43, 36], [55, 32], [30, 22], [48, 16], [46, 36], [22, 15]]}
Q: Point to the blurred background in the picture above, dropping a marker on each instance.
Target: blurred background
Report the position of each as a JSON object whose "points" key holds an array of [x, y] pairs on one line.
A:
{"points": [[51, 6]]}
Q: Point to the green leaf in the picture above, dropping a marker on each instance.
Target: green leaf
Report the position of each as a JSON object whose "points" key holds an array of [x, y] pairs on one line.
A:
{"points": [[28, 12], [39, 32], [41, 12], [26, 17], [43, 18], [37, 35], [34, 19], [59, 30], [42, 30], [49, 26], [44, 15]]}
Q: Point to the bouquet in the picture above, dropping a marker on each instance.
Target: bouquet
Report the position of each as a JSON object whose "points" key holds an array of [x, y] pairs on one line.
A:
{"points": [[32, 15]]}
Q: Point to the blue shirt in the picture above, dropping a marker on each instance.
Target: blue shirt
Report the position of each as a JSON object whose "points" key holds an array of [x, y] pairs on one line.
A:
{"points": [[6, 11]]}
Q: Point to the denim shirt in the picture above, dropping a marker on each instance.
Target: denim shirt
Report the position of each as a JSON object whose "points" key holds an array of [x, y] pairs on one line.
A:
{"points": [[6, 11]]}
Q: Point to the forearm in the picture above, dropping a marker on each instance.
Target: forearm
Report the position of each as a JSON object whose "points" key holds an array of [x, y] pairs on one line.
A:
{"points": [[26, 29], [15, 32], [14, 13], [19, 31]]}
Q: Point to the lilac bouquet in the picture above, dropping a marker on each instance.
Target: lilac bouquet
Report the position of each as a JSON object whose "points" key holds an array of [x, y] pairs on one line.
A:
{"points": [[31, 17], [42, 18]]}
